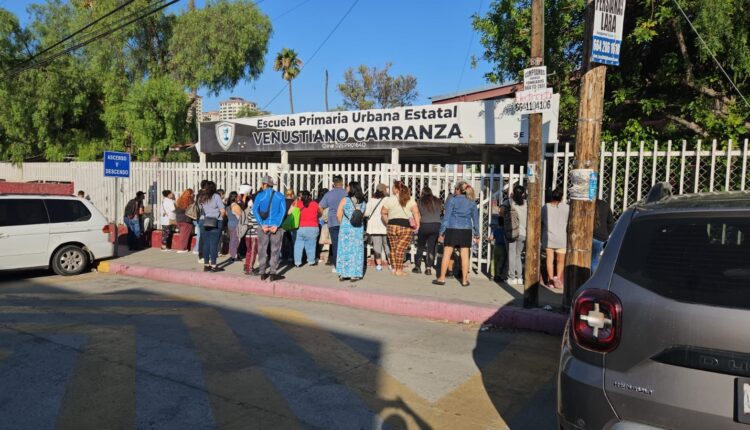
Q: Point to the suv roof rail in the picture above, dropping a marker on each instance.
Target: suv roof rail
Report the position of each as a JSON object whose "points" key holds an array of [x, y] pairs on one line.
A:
{"points": [[660, 191]]}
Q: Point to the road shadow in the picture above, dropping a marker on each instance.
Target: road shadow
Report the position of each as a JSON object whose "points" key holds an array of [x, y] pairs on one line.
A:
{"points": [[519, 376], [119, 357]]}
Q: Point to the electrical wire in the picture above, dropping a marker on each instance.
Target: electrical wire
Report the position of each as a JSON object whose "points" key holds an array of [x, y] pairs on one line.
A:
{"points": [[468, 50], [82, 29], [140, 14], [338, 24], [705, 46], [283, 14]]}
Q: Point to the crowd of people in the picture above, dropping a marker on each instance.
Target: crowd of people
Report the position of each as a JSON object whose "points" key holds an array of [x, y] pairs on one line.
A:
{"points": [[265, 226]]}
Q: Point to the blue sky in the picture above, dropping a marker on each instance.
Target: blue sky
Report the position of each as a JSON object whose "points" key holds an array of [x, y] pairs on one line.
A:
{"points": [[426, 38]]}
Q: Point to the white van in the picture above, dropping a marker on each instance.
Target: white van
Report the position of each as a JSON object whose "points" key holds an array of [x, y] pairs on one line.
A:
{"points": [[64, 233]]}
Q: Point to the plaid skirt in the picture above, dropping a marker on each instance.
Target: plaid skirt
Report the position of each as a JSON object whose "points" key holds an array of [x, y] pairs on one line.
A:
{"points": [[400, 239]]}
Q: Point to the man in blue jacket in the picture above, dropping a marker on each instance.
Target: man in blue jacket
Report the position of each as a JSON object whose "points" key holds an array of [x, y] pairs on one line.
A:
{"points": [[269, 208]]}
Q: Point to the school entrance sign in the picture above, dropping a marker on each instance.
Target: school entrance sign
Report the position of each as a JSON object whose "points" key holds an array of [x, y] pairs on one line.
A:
{"points": [[495, 122]]}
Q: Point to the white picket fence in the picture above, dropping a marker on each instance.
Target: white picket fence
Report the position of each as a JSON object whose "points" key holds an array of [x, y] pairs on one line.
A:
{"points": [[627, 172]]}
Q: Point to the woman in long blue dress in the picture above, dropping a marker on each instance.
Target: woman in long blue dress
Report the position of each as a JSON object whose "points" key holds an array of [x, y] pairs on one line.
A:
{"points": [[350, 258]]}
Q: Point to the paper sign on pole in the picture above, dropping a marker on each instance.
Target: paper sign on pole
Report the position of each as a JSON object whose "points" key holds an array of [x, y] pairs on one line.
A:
{"points": [[609, 16], [533, 101], [535, 78]]}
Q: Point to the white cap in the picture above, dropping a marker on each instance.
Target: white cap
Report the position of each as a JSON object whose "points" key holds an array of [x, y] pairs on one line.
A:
{"points": [[245, 190]]}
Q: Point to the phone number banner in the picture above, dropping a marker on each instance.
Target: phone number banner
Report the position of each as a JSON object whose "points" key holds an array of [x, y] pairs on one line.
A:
{"points": [[609, 16]]}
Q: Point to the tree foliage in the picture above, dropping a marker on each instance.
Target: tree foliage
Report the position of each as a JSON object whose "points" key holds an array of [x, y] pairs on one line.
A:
{"points": [[288, 63], [376, 88], [249, 112], [129, 91], [667, 85]]}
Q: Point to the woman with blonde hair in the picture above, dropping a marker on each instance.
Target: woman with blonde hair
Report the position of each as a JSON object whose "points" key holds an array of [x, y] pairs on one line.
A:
{"points": [[184, 223], [461, 219], [401, 214]]}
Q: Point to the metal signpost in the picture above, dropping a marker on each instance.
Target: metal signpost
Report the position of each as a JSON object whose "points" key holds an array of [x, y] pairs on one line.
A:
{"points": [[116, 165]]}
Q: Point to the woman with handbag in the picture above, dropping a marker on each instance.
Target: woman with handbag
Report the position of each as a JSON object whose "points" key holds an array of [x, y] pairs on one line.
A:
{"points": [[376, 230], [232, 222], [350, 255], [212, 213], [401, 214], [307, 233]]}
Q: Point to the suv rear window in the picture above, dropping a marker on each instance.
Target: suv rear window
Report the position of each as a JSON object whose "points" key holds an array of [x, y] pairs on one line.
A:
{"points": [[14, 212], [692, 259], [67, 211]]}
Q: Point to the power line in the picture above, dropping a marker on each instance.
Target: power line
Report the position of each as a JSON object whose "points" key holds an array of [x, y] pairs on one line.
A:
{"points": [[338, 24], [468, 50], [153, 8], [283, 14], [705, 45], [85, 27]]}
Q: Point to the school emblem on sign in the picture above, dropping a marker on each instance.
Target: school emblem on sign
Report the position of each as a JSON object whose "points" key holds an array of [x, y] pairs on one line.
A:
{"points": [[225, 134]]}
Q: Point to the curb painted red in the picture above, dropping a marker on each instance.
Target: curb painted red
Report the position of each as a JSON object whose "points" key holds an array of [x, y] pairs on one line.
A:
{"points": [[405, 305]]}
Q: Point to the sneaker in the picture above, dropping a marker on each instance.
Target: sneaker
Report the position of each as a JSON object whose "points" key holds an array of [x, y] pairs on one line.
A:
{"points": [[333, 270], [200, 261], [195, 252], [182, 251], [379, 268], [416, 270], [312, 264], [428, 272]]}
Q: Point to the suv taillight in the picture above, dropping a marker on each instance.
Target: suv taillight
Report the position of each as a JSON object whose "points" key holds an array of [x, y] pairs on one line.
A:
{"points": [[106, 229], [597, 320]]}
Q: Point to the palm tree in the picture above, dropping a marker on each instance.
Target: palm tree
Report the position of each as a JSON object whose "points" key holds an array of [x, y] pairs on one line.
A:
{"points": [[289, 65]]}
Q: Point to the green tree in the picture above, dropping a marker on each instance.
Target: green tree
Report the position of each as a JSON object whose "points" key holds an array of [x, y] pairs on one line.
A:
{"points": [[376, 88], [289, 65], [667, 85], [127, 91]]}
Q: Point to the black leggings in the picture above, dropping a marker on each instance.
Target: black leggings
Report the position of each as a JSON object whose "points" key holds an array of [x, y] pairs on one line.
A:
{"points": [[427, 240]]}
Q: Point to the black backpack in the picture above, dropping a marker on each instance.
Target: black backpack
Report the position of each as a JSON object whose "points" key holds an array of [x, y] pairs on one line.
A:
{"points": [[358, 217]]}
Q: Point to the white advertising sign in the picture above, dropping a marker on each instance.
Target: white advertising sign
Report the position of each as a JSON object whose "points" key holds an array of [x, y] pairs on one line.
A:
{"points": [[535, 78], [491, 122], [535, 101], [609, 16]]}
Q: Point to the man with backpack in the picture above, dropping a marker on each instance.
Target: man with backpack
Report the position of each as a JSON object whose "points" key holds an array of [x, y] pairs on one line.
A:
{"points": [[132, 220], [269, 210]]}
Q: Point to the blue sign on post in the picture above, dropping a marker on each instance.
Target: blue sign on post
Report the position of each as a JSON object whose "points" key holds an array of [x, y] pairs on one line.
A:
{"points": [[116, 164]]}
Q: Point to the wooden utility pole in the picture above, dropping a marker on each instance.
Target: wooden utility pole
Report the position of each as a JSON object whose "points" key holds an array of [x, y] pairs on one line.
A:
{"points": [[534, 186], [326, 90], [587, 153]]}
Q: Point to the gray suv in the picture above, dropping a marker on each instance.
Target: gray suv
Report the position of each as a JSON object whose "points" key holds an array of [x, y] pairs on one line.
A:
{"points": [[659, 337]]}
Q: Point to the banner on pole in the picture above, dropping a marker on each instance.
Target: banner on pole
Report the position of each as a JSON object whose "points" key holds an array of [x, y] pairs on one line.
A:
{"points": [[609, 16]]}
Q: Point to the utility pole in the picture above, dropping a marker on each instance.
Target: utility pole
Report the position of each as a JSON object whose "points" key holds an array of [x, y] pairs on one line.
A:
{"points": [[587, 153], [326, 90], [534, 186]]}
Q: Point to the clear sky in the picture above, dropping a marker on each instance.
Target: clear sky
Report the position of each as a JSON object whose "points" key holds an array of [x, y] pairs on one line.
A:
{"points": [[426, 38]]}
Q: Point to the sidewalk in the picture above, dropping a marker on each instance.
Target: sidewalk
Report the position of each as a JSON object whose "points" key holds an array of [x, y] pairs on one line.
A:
{"points": [[413, 295]]}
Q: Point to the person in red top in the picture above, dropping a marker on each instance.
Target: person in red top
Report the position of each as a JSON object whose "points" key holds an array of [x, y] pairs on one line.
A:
{"points": [[307, 235]]}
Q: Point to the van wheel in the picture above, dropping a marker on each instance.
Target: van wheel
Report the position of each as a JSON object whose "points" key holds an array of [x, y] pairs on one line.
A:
{"points": [[70, 260]]}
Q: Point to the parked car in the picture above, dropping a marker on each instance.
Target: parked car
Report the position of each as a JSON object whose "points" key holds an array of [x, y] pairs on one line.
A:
{"points": [[658, 338], [63, 233]]}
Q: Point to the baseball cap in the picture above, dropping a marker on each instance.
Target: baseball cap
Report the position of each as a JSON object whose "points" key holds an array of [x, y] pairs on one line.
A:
{"points": [[268, 180]]}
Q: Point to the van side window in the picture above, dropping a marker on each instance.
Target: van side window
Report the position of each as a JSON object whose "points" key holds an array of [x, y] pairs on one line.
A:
{"points": [[67, 211], [14, 212]]}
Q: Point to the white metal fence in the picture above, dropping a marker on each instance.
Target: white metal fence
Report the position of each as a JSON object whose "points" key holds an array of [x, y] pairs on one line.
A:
{"points": [[627, 172]]}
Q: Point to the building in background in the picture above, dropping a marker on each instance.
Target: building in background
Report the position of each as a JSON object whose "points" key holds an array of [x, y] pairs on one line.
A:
{"points": [[198, 105], [228, 108], [211, 115]]}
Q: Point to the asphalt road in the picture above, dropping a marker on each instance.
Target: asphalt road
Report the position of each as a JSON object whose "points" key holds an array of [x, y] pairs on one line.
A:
{"points": [[100, 351]]}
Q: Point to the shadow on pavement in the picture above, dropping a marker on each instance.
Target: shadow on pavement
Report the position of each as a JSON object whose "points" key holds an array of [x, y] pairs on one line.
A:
{"points": [[519, 376], [131, 358]]}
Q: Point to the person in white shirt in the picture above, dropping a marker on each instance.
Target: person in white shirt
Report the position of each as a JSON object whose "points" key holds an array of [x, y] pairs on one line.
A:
{"points": [[168, 218], [376, 230]]}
